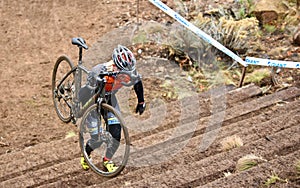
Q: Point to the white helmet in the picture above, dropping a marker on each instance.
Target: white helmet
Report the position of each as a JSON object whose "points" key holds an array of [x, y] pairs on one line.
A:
{"points": [[124, 58]]}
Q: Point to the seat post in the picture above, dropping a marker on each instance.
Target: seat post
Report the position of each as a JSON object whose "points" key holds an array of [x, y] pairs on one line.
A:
{"points": [[80, 55], [78, 78]]}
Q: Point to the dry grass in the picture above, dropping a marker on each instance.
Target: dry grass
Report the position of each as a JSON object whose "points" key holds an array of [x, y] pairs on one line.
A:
{"points": [[298, 167], [248, 162], [231, 142]]}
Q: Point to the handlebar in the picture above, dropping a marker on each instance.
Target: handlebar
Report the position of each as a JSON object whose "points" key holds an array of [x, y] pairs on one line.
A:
{"points": [[102, 74]]}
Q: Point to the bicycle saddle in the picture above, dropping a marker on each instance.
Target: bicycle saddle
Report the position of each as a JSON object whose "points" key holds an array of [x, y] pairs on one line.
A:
{"points": [[80, 42]]}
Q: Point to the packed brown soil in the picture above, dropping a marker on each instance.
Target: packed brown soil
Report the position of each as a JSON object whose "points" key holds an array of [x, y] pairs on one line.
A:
{"points": [[176, 142]]}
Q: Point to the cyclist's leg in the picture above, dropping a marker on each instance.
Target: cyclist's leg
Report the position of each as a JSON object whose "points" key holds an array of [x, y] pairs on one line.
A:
{"points": [[92, 144], [114, 129], [92, 124], [89, 147]]}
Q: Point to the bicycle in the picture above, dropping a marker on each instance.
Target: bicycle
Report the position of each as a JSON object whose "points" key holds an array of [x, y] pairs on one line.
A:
{"points": [[66, 83]]}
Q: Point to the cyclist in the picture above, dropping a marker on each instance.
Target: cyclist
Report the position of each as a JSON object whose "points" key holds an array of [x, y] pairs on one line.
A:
{"points": [[122, 59]]}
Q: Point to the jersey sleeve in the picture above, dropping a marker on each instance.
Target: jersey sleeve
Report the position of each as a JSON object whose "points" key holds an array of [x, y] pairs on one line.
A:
{"points": [[139, 91]]}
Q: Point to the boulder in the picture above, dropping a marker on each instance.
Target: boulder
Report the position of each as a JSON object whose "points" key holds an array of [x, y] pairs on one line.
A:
{"points": [[267, 12]]}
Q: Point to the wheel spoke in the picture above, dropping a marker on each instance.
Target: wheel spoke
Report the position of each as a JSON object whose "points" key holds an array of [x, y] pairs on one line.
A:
{"points": [[62, 88]]}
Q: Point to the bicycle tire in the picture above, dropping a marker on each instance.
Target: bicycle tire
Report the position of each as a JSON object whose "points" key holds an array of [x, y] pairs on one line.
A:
{"points": [[63, 66], [95, 160]]}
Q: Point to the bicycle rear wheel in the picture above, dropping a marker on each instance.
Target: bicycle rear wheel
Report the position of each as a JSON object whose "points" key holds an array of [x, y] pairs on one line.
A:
{"points": [[101, 142], [63, 88]]}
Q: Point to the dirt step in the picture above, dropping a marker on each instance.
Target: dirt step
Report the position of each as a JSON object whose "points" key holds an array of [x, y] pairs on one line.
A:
{"points": [[257, 176], [253, 132], [187, 130], [183, 172], [44, 175], [36, 157], [248, 135], [33, 155], [198, 106]]}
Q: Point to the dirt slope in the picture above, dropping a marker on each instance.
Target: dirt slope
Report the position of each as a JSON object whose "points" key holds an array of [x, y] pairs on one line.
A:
{"points": [[34, 147]]}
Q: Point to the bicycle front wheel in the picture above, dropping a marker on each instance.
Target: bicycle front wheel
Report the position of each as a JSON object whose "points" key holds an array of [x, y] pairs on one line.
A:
{"points": [[63, 88], [98, 140]]}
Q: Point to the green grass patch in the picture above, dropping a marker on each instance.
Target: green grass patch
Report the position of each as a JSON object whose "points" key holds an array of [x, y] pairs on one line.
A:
{"points": [[257, 75], [273, 179], [269, 28]]}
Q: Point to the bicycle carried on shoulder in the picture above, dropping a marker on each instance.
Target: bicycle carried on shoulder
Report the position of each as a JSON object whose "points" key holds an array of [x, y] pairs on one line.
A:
{"points": [[66, 83]]}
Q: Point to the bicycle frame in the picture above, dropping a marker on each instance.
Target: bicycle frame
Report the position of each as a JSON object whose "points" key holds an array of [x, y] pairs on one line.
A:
{"points": [[76, 109]]}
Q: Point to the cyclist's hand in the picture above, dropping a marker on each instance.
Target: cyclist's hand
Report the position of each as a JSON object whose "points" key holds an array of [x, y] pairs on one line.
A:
{"points": [[140, 108]]}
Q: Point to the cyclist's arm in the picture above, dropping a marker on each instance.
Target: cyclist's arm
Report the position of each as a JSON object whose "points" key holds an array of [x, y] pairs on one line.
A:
{"points": [[139, 91]]}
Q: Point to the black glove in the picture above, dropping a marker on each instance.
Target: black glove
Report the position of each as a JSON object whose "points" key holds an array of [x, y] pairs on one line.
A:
{"points": [[140, 108]]}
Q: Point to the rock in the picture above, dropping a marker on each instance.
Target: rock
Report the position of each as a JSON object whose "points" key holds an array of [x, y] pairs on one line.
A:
{"points": [[296, 37], [267, 12], [277, 53]]}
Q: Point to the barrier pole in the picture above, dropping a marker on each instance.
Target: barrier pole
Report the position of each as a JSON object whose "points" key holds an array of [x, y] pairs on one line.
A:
{"points": [[243, 76]]}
